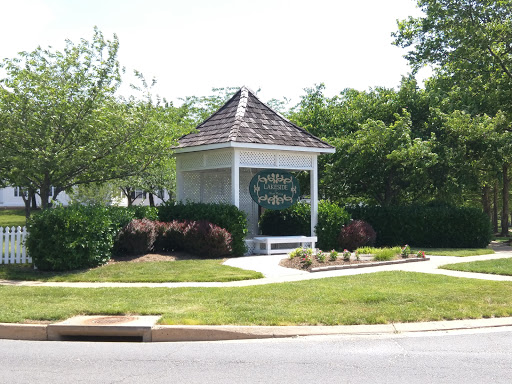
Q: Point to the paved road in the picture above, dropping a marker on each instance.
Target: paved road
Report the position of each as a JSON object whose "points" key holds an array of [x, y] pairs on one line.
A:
{"points": [[483, 356]]}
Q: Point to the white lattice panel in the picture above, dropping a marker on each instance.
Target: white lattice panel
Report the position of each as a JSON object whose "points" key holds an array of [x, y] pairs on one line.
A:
{"points": [[192, 187], [253, 158], [190, 161], [216, 186], [292, 160], [218, 159], [247, 204], [250, 247]]}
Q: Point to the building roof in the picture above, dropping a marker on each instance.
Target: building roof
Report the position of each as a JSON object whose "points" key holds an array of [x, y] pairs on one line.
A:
{"points": [[246, 119]]}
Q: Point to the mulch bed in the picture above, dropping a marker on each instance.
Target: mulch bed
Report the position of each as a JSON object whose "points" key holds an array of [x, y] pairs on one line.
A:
{"points": [[297, 264], [171, 256]]}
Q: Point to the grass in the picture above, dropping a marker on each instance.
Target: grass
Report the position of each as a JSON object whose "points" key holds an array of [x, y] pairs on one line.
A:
{"points": [[154, 272], [495, 267], [458, 252], [382, 297], [12, 217], [502, 239]]}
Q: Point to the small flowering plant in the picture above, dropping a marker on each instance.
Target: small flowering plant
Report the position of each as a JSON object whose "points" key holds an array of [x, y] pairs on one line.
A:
{"points": [[307, 260], [420, 254], [346, 255], [321, 257], [301, 253], [358, 256], [333, 255], [406, 250]]}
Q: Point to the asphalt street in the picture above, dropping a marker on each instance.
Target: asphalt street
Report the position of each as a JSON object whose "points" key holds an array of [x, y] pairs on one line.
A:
{"points": [[471, 356]]}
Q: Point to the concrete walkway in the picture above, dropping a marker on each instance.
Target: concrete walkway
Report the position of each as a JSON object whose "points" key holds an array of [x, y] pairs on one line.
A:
{"points": [[269, 267]]}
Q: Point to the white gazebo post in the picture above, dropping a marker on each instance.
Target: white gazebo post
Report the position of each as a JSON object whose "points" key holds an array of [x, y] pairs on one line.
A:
{"points": [[235, 179], [313, 176]]}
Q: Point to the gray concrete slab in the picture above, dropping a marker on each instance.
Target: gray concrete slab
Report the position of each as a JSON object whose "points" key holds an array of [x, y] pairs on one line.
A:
{"points": [[103, 326]]}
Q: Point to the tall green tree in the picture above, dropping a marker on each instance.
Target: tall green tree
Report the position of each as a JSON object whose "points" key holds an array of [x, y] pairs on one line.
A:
{"points": [[62, 125], [380, 164], [469, 42]]}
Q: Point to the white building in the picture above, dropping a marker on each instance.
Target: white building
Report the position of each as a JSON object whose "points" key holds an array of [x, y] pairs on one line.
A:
{"points": [[10, 198]]}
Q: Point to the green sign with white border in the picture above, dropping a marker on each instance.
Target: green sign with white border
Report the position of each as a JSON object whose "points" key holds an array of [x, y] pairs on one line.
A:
{"points": [[274, 189]]}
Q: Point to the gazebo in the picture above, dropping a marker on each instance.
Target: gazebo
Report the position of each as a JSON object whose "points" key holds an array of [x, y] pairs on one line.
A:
{"points": [[245, 136]]}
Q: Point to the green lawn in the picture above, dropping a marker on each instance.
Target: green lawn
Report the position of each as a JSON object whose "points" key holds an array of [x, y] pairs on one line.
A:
{"points": [[155, 272], [382, 297], [12, 217], [458, 252], [495, 267]]}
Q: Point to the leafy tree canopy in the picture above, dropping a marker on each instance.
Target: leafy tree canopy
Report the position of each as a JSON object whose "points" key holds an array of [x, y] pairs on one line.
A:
{"points": [[62, 125]]}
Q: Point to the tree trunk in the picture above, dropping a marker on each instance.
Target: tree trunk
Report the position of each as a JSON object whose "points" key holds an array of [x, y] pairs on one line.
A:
{"points": [[33, 199], [504, 208], [495, 208], [151, 200], [44, 191], [27, 200], [486, 201]]}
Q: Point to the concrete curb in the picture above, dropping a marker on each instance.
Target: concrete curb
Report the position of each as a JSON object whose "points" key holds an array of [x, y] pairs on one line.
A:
{"points": [[181, 333]]}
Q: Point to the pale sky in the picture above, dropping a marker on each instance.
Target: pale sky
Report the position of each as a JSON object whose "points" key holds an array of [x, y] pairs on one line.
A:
{"points": [[191, 46]]}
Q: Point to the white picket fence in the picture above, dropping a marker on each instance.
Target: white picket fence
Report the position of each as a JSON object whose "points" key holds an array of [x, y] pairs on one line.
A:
{"points": [[12, 246]]}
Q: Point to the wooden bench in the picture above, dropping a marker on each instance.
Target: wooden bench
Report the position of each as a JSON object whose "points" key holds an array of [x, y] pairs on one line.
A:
{"points": [[269, 240]]}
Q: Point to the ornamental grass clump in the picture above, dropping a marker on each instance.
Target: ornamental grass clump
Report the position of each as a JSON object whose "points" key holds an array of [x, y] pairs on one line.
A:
{"points": [[385, 254]]}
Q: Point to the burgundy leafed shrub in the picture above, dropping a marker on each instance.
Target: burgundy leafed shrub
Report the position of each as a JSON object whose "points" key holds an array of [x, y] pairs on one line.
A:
{"points": [[137, 237], [169, 236], [205, 239], [357, 233]]}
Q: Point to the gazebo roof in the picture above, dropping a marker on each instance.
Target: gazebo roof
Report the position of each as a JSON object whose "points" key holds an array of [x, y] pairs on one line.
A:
{"points": [[246, 119]]}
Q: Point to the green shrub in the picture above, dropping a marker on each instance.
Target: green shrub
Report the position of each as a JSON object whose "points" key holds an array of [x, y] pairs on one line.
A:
{"points": [[68, 238], [121, 216], [226, 216], [331, 218], [296, 220], [434, 226]]}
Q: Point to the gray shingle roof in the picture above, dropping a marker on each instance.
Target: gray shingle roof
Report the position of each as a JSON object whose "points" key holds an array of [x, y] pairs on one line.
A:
{"points": [[246, 119]]}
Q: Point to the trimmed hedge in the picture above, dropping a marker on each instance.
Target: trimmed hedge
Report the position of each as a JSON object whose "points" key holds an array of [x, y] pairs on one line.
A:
{"points": [[226, 216], [205, 239], [68, 238], [199, 238], [427, 226], [296, 220], [137, 237]]}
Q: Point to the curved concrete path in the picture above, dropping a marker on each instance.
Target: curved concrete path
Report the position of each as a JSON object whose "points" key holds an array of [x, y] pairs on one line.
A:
{"points": [[269, 267]]}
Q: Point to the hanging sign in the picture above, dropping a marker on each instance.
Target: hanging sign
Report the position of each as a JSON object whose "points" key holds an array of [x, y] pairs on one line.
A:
{"points": [[274, 189]]}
